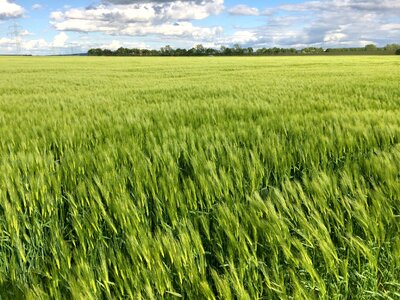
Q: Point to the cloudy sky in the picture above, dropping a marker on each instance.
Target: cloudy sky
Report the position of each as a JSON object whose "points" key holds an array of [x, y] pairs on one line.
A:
{"points": [[66, 26]]}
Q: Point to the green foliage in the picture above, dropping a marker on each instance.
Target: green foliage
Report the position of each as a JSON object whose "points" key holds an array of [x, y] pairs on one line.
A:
{"points": [[200, 178], [312, 50], [371, 47], [237, 50], [398, 51], [392, 47], [338, 50]]}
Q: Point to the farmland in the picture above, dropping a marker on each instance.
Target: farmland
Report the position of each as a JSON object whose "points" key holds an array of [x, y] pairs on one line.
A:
{"points": [[200, 178]]}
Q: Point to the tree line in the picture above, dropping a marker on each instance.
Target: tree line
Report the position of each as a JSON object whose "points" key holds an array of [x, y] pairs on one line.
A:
{"points": [[237, 50]]}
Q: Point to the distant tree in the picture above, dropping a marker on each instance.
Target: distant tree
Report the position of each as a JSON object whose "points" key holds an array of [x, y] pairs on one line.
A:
{"points": [[391, 47], [398, 51], [341, 50], [371, 47], [237, 50], [191, 52], [180, 52], [211, 52], [108, 52], [225, 51], [312, 50], [276, 50], [122, 52], [259, 51], [167, 50], [200, 50], [250, 51], [95, 52]]}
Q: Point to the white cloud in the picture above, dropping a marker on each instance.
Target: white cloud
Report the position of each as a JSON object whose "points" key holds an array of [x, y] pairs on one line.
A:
{"points": [[323, 23], [124, 2], [6, 41], [25, 32], [138, 18], [181, 29], [34, 45], [242, 37], [391, 27], [9, 10], [330, 23], [115, 44], [376, 6], [334, 37], [60, 40], [244, 10], [37, 6], [8, 45], [63, 44]]}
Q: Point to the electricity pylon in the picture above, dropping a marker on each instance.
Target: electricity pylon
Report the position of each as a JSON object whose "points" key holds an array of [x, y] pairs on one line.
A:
{"points": [[15, 32]]}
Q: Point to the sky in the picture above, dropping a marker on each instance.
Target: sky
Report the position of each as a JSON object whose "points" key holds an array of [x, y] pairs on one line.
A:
{"points": [[42, 27]]}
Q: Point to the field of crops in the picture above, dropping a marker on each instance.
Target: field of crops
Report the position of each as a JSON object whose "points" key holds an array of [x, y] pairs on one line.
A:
{"points": [[200, 178]]}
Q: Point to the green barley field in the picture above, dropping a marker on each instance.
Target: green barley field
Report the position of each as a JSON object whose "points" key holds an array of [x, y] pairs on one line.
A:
{"points": [[200, 178]]}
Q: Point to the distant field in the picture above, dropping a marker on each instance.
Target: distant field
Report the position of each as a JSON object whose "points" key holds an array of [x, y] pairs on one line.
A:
{"points": [[200, 178]]}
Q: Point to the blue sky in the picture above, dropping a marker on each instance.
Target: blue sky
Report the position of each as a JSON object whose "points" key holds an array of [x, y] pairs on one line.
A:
{"points": [[66, 26]]}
